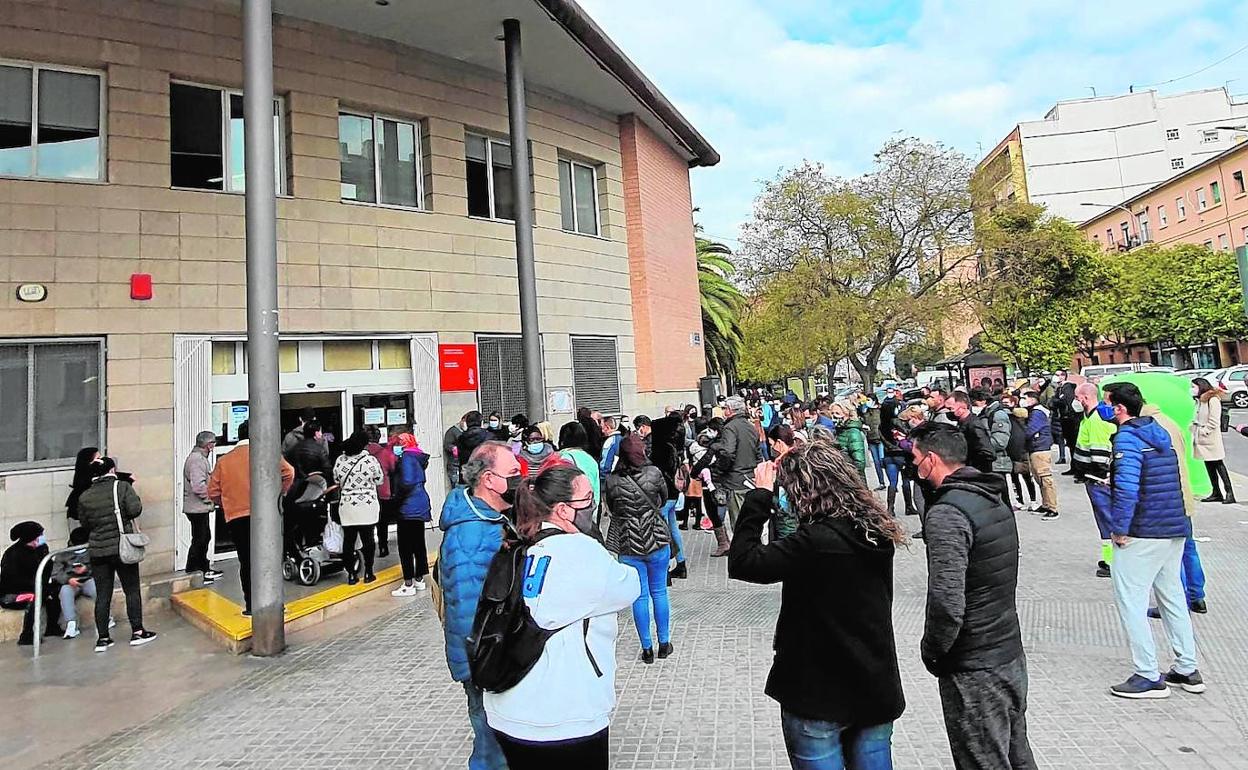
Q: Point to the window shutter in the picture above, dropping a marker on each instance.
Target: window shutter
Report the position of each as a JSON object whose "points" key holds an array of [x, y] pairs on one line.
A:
{"points": [[596, 373], [192, 412], [500, 361]]}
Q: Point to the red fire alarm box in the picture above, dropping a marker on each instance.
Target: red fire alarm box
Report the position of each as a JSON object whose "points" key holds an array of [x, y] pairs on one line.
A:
{"points": [[141, 286]]}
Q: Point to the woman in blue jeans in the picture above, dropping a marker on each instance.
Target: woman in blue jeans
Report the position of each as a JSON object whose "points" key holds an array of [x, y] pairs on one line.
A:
{"points": [[835, 672], [636, 493]]}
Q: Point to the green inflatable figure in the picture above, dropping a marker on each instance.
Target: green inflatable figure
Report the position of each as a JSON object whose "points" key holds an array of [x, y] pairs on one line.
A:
{"points": [[1172, 394]]}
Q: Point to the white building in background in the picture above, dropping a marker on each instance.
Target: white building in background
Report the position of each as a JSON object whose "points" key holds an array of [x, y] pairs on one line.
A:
{"points": [[1106, 149]]}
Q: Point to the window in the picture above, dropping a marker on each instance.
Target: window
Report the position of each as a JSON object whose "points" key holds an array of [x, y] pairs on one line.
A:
{"points": [[206, 142], [380, 160], [50, 123], [1162, 221], [596, 373], [394, 354], [1176, 163], [1209, 137], [1109, 235], [501, 369], [1237, 180], [1141, 219], [1244, 233], [347, 355], [489, 178], [1216, 191], [578, 197], [50, 401], [1209, 244], [1224, 242], [1180, 208], [1126, 233], [1172, 134], [1202, 202]]}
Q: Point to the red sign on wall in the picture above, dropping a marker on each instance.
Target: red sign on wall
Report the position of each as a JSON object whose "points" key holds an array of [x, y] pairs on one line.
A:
{"points": [[457, 365]]}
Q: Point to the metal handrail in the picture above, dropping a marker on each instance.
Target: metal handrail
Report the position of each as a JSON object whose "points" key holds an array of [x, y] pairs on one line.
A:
{"points": [[39, 583]]}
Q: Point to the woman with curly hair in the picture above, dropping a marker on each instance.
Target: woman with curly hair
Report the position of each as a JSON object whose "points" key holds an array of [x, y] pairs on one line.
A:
{"points": [[835, 671]]}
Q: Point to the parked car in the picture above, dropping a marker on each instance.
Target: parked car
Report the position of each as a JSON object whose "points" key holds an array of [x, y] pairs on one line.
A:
{"points": [[1232, 380], [1192, 374], [1096, 371]]}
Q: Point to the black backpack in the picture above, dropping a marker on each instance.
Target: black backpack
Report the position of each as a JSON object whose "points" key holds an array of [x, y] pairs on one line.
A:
{"points": [[505, 642], [1017, 448]]}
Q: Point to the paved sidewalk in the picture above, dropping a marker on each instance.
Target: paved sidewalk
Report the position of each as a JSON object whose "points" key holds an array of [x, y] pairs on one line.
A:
{"points": [[380, 696]]}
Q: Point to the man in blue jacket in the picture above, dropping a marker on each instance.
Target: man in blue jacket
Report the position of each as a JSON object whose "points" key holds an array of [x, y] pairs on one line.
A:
{"points": [[1149, 526], [472, 525]]}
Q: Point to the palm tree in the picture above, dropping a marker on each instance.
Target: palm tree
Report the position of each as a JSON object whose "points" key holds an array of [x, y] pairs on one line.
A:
{"points": [[722, 303]]}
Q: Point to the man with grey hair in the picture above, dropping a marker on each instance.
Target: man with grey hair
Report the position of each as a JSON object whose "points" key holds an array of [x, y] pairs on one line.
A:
{"points": [[196, 505], [472, 524], [739, 452]]}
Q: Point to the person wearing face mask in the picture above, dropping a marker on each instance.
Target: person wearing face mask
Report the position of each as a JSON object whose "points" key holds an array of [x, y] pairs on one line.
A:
{"points": [[1207, 439], [535, 450], [636, 493], [558, 715], [994, 417], [449, 454], [849, 436], [515, 431], [1040, 453], [474, 435], [1090, 460], [972, 642], [572, 447], [498, 431], [978, 441], [17, 580], [701, 460], [414, 510], [472, 524]]}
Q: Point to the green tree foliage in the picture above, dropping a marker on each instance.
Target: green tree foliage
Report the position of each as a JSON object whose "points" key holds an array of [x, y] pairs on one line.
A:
{"points": [[722, 304], [865, 256], [1035, 274]]}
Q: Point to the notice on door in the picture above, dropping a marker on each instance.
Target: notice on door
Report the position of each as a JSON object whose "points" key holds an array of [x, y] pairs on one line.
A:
{"points": [[457, 367], [375, 416]]}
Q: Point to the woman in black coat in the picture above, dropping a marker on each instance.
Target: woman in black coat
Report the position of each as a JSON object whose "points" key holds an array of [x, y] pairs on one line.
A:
{"points": [[835, 671]]}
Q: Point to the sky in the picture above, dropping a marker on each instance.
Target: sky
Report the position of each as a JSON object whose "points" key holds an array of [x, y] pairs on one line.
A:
{"points": [[773, 82]]}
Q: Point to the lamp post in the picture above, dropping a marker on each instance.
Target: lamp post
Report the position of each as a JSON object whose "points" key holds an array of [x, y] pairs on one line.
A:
{"points": [[1134, 225]]}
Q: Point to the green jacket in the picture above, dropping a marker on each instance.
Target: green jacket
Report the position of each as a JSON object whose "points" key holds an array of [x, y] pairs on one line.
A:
{"points": [[850, 439]]}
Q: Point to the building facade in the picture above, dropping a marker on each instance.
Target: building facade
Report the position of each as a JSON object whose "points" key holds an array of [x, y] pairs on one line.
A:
{"points": [[122, 273], [1086, 154], [1203, 205]]}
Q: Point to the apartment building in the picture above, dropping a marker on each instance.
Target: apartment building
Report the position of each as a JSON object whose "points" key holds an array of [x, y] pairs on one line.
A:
{"points": [[1086, 154], [122, 274]]}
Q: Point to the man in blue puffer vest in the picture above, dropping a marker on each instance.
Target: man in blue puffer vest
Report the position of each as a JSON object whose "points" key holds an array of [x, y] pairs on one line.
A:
{"points": [[472, 525], [1148, 526]]}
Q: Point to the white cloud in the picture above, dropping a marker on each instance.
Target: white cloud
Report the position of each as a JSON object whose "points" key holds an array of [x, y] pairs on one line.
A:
{"points": [[771, 82]]}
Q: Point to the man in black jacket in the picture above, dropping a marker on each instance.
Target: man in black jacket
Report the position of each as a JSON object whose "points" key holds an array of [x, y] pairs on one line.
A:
{"points": [[738, 448], [972, 641], [472, 437], [979, 449]]}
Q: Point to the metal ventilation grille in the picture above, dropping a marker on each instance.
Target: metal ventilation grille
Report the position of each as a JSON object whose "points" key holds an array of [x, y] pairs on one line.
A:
{"points": [[501, 365], [596, 373]]}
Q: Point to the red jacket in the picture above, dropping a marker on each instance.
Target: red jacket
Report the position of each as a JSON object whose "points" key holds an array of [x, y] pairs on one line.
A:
{"points": [[384, 455]]}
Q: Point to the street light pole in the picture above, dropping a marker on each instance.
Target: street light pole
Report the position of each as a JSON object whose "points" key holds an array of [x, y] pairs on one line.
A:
{"points": [[522, 187], [263, 418]]}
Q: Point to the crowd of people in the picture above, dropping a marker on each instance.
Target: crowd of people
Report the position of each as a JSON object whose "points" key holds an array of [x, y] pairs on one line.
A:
{"points": [[598, 511]]}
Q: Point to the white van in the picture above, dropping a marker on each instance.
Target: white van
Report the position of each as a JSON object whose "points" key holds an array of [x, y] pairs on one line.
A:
{"points": [[1097, 371]]}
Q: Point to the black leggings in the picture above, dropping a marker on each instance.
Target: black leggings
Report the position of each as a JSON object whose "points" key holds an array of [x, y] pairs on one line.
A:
{"points": [[1018, 488], [589, 753], [412, 554], [1217, 469], [711, 506], [365, 531], [103, 570]]}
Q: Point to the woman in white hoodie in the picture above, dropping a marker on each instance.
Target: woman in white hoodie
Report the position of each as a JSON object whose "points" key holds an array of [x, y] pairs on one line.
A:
{"points": [[558, 715]]}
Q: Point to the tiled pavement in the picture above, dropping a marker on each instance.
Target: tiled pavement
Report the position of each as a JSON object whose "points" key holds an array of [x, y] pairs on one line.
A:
{"points": [[379, 696]]}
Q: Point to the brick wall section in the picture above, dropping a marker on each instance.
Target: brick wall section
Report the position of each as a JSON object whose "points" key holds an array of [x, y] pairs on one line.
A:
{"points": [[662, 262]]}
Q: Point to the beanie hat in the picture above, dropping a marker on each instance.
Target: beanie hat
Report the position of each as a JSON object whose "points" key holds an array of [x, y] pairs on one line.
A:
{"points": [[633, 451], [25, 531]]}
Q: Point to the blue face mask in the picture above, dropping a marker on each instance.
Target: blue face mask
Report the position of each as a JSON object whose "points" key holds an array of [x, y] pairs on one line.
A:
{"points": [[534, 449], [810, 422], [42, 540], [398, 450], [1106, 411]]}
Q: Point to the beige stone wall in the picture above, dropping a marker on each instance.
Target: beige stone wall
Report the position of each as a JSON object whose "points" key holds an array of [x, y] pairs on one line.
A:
{"points": [[342, 267]]}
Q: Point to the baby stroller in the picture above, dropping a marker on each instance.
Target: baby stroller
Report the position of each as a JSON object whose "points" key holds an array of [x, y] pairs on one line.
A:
{"points": [[312, 538]]}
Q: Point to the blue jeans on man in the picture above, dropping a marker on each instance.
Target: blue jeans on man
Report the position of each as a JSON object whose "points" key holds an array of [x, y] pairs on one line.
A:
{"points": [[652, 569], [817, 745], [876, 450], [1192, 573], [486, 753]]}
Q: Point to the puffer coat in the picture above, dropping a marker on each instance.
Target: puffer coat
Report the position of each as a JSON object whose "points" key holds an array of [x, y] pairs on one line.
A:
{"points": [[1146, 500], [96, 512], [636, 498], [472, 534]]}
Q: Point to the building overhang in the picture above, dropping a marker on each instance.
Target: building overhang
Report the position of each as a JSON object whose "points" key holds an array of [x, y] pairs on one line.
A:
{"points": [[565, 51]]}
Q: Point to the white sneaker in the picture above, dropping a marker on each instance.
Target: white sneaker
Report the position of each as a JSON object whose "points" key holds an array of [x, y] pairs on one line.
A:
{"points": [[404, 590], [111, 621], [71, 630], [419, 585]]}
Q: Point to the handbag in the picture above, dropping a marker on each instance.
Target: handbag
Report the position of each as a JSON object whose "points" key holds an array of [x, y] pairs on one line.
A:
{"points": [[131, 546]]}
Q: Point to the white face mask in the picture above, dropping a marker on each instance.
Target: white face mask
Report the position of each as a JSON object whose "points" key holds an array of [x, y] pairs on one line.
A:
{"points": [[1195, 391], [976, 409]]}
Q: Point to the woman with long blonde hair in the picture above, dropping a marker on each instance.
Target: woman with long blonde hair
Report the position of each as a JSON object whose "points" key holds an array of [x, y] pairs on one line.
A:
{"points": [[835, 671]]}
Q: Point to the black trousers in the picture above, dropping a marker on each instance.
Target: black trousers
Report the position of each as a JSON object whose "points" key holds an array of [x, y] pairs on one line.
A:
{"points": [[986, 717], [1217, 469], [103, 571], [589, 753], [389, 509], [51, 612], [201, 536], [365, 532], [412, 554], [711, 506], [240, 533]]}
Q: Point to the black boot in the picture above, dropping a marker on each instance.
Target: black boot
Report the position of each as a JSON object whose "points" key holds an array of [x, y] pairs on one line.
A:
{"points": [[907, 494], [892, 501], [1229, 496]]}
